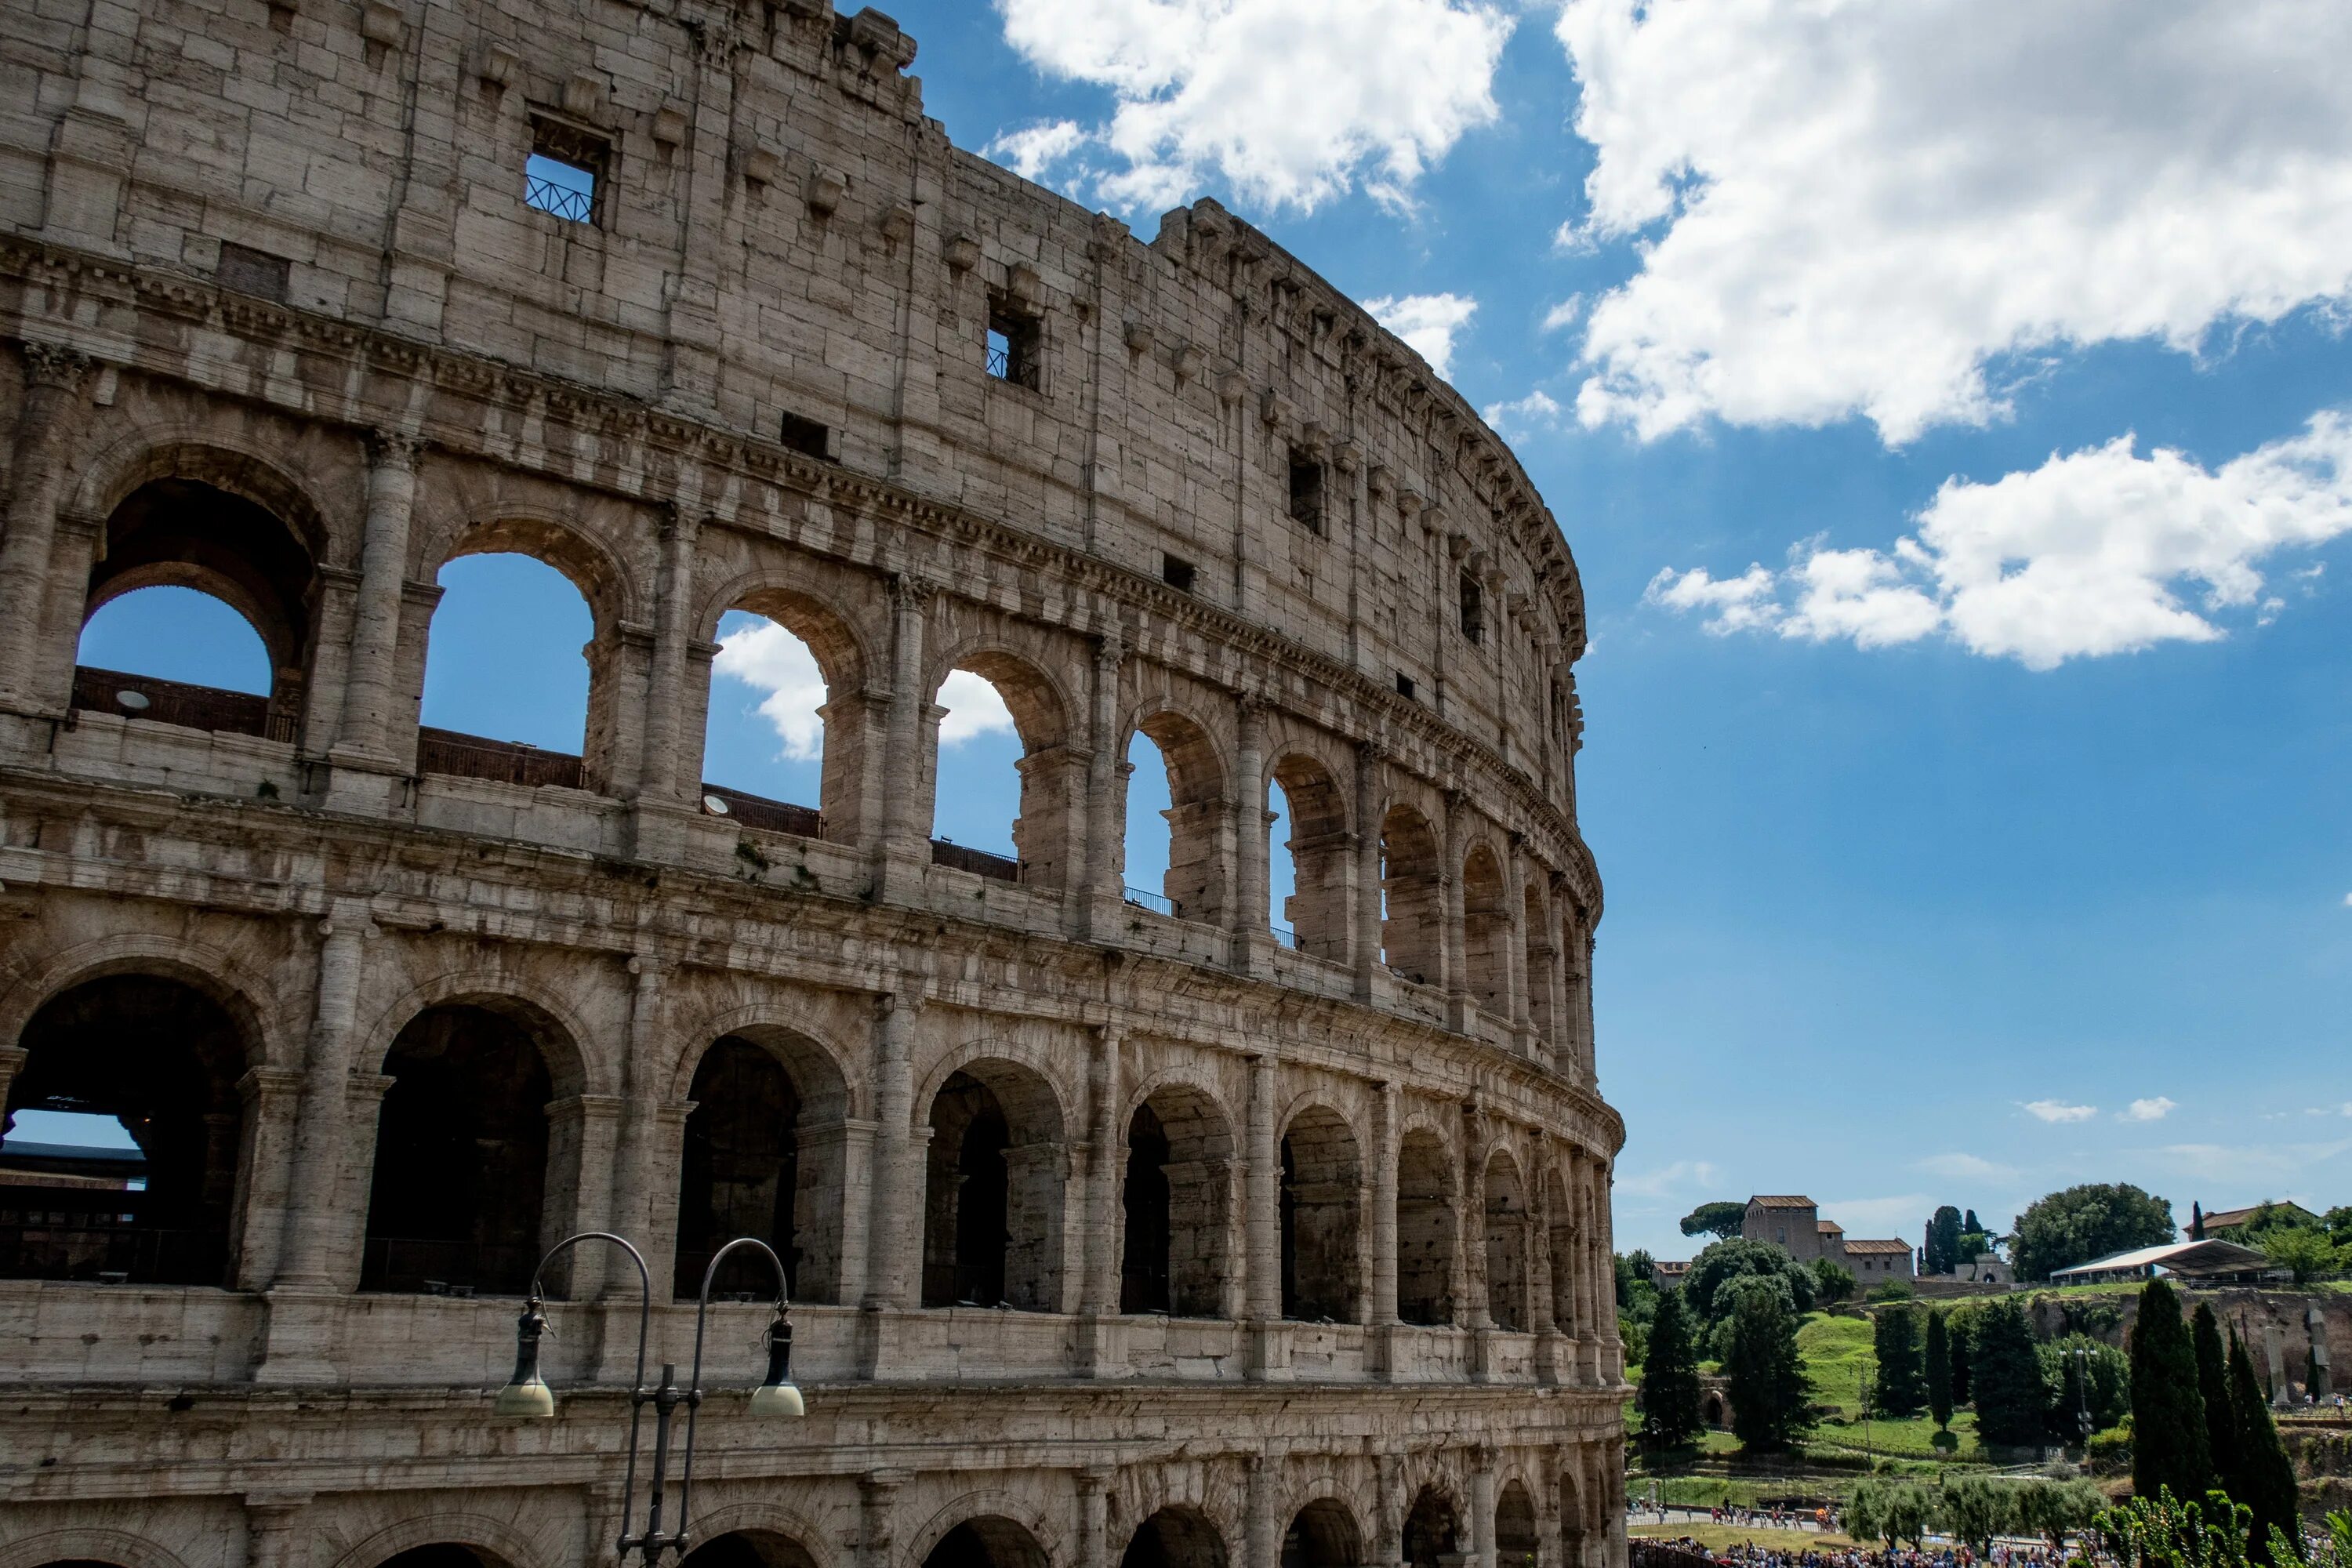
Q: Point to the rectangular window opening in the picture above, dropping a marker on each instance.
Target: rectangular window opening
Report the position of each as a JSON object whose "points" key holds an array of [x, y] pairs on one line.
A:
{"points": [[1012, 345], [1473, 608], [1177, 572], [807, 437], [1305, 490], [250, 271], [1405, 687], [564, 175]]}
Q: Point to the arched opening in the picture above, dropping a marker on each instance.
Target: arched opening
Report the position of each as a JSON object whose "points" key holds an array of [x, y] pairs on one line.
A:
{"points": [[1430, 1530], [1412, 917], [1537, 924], [1712, 1411], [1425, 1226], [1514, 1526], [461, 1155], [132, 1060], [998, 716], [1177, 820], [1566, 1313], [1323, 1535], [1177, 1204], [1507, 1244], [770, 735], [443, 1554], [176, 658], [763, 1157], [992, 1213], [1175, 1538], [506, 697], [750, 1549], [989, 1541], [1320, 1256], [1486, 931], [1315, 907]]}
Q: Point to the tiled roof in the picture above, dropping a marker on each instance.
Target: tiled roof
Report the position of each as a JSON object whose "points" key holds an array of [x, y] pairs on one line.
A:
{"points": [[2227, 1218], [1828, 1227], [1896, 1245], [1783, 1203], [1663, 1267]]}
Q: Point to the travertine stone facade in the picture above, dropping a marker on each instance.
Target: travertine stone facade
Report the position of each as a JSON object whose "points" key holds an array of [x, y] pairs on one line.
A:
{"points": [[1118, 1235]]}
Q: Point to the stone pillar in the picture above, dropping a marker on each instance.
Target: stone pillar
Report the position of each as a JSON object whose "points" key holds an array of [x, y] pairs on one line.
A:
{"points": [[1600, 1275], [1101, 1354], [1384, 1207], [1470, 1221], [362, 736], [1263, 1271], [662, 784], [1106, 797], [1543, 1308], [1461, 1008], [646, 1074], [1262, 1531], [1253, 936], [1590, 1061], [894, 1247], [272, 1520], [1368, 870], [1482, 1508], [12, 1062], [45, 425], [1094, 1510], [581, 1150], [857, 1166], [272, 1111], [906, 850], [878, 1500], [1604, 1265], [1388, 1512], [694, 337]]}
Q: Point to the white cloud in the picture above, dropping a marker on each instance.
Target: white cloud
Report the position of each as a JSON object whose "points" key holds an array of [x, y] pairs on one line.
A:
{"points": [[1291, 103], [770, 660], [973, 709], [1847, 207], [1565, 314], [2058, 1110], [2155, 1109], [2088, 554], [1537, 410], [1683, 1175], [1964, 1167], [1033, 151], [1426, 322]]}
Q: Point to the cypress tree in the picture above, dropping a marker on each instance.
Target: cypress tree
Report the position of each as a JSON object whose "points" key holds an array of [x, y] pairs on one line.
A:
{"points": [[2011, 1397], [1939, 1369], [2169, 1442], [2213, 1387], [2269, 1482], [1769, 1396], [2196, 1222], [1670, 1378], [1901, 1386], [1962, 1393]]}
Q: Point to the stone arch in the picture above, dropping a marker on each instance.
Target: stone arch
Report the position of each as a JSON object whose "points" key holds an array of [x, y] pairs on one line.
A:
{"points": [[496, 1543], [1508, 1297], [247, 995], [1413, 924], [1177, 1252], [1175, 1536], [1321, 1216], [119, 1549], [1319, 845], [756, 1534], [1567, 1305], [562, 1034], [851, 716], [1433, 1526], [998, 1168], [1324, 1533], [1426, 1225], [1485, 928], [1517, 1536], [546, 535], [1197, 886], [765, 1153], [844, 653], [1540, 951], [1040, 704], [1036, 1545], [1048, 836]]}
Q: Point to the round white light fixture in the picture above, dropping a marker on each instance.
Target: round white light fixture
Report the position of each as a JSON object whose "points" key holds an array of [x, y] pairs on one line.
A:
{"points": [[714, 805], [135, 702]]}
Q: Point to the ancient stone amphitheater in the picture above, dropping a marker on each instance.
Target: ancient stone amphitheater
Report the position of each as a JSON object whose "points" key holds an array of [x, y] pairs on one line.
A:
{"points": [[1123, 1228]]}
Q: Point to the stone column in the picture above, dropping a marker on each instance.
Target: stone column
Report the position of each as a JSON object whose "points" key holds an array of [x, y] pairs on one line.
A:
{"points": [[1605, 1267], [1461, 1008], [906, 850], [894, 1247], [662, 786], [1253, 936], [1384, 1207], [270, 1523], [1388, 1512], [1262, 1531], [45, 425], [365, 723], [646, 1075], [272, 1111], [1600, 1275], [1262, 1271], [1100, 1352], [1590, 1061], [1105, 825], [694, 337], [1094, 1510], [1368, 869], [1470, 1215], [1542, 1307], [877, 1499], [581, 1155], [1482, 1508]]}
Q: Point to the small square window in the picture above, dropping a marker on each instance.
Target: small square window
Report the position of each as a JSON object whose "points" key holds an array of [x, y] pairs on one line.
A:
{"points": [[250, 271], [1012, 345], [807, 437], [1177, 572], [565, 174], [1405, 687], [1473, 608], [1305, 490]]}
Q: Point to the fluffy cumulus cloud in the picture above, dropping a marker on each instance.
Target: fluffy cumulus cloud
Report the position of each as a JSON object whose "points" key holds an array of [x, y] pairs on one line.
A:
{"points": [[1884, 207], [2056, 1110], [1521, 416], [2098, 552], [1033, 150], [2153, 1109], [1289, 103], [1426, 322], [973, 709], [776, 664]]}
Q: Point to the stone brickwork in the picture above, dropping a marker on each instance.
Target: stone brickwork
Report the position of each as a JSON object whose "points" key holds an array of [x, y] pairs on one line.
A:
{"points": [[1117, 1235]]}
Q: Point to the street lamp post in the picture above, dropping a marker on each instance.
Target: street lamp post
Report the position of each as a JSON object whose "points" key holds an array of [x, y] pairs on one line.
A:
{"points": [[527, 1394], [2082, 1392]]}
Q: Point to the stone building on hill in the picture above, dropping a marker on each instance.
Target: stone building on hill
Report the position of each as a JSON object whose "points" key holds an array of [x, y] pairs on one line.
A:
{"points": [[1172, 1239], [1795, 1222]]}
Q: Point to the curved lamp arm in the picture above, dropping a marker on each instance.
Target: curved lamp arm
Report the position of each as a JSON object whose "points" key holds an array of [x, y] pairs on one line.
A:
{"points": [[775, 1396]]}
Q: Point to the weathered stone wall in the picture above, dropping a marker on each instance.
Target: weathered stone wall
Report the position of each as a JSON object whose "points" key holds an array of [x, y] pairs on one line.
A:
{"points": [[281, 326]]}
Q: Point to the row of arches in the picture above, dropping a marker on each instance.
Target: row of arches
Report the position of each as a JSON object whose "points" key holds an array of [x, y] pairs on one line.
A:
{"points": [[477, 1140]]}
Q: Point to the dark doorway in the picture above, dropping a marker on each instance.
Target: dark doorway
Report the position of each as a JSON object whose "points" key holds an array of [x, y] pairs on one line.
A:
{"points": [[1322, 1535], [741, 1171], [991, 1542], [1143, 1261], [972, 1195], [1175, 1538], [1430, 1530], [750, 1549]]}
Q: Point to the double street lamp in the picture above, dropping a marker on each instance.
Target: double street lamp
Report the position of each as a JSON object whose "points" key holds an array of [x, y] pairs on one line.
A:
{"points": [[526, 1395]]}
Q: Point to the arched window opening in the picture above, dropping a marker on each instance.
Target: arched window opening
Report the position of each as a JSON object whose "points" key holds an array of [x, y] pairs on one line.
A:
{"points": [[1310, 889], [1412, 918], [764, 1158], [750, 1549], [445, 1554], [998, 800], [180, 657], [1178, 1206], [992, 1215], [460, 1158], [989, 1541], [1541, 952], [1430, 1533], [1145, 843], [1565, 1310], [1507, 1244], [1321, 1256], [1178, 825], [1426, 1229], [506, 697], [1514, 1526], [1486, 931], [1174, 1537], [765, 735], [1323, 1535], [1712, 1412], [136, 1059]]}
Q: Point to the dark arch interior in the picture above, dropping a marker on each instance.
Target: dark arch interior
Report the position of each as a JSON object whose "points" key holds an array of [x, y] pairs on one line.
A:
{"points": [[1515, 1528], [1175, 1538], [1430, 1530], [741, 1171], [1411, 918], [966, 1235], [163, 1059], [1506, 1245], [1486, 930], [1143, 1259], [991, 1542], [1177, 1200], [1424, 1224], [445, 1554], [1322, 1535], [1318, 1214], [750, 1549], [461, 1157]]}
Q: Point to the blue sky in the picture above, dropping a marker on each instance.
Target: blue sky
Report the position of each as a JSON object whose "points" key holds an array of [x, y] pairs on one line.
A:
{"points": [[1943, 404]]}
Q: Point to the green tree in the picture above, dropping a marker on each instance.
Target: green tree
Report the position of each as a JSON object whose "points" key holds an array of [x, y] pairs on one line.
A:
{"points": [[1902, 1381], [1670, 1379], [1892, 1511], [1831, 1281], [2084, 1377], [2196, 1221], [2056, 1510], [2162, 1532], [1942, 1246], [1634, 1268], [1721, 1220], [1962, 1339], [2011, 1393], [1768, 1393], [1727, 1260], [1939, 1369], [2170, 1448], [2086, 1222], [2267, 1476], [2301, 1249], [2221, 1446], [1975, 1508]]}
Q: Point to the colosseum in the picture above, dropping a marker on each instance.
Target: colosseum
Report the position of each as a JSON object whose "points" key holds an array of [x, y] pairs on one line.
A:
{"points": [[1197, 1226]]}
